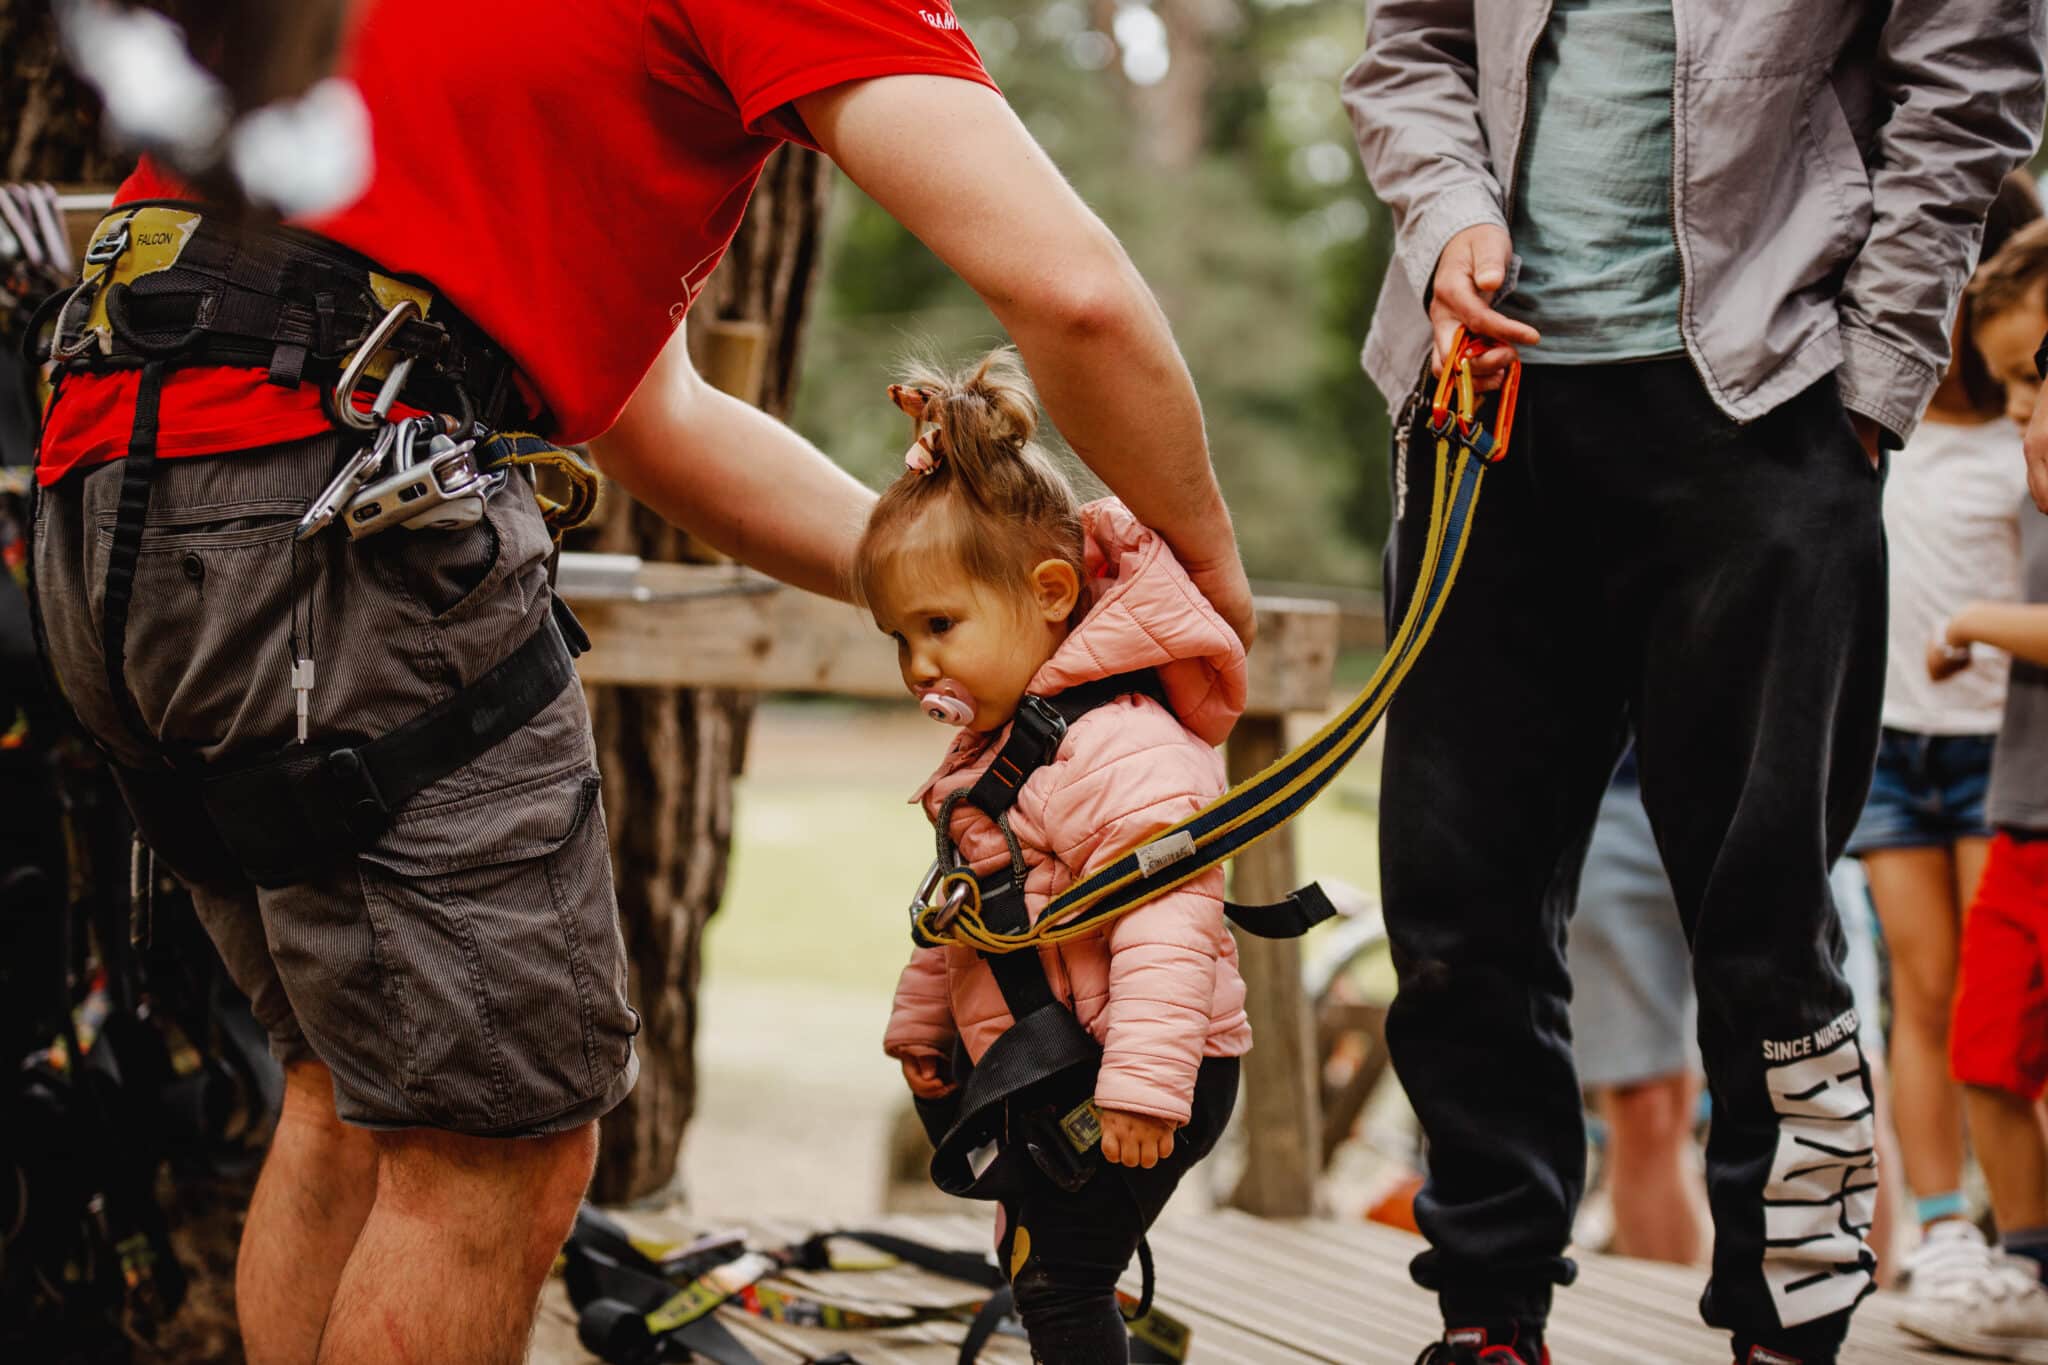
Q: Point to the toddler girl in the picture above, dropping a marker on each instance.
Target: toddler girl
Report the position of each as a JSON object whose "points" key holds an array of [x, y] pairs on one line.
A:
{"points": [[998, 587]]}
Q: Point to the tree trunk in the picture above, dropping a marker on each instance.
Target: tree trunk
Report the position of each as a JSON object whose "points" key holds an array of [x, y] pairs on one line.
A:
{"points": [[56, 132], [669, 755]]}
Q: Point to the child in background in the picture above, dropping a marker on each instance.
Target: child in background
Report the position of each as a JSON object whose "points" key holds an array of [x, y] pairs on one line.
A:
{"points": [[1951, 516], [1999, 1039], [995, 586]]}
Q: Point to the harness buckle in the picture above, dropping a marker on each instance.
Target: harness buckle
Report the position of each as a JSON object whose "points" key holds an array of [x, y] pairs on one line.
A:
{"points": [[357, 802], [1040, 721], [444, 492], [108, 246]]}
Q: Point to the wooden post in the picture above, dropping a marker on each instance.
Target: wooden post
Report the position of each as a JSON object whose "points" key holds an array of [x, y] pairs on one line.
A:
{"points": [[1283, 1127]]}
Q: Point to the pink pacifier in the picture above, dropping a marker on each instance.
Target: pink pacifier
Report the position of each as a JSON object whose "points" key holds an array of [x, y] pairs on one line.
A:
{"points": [[948, 703]]}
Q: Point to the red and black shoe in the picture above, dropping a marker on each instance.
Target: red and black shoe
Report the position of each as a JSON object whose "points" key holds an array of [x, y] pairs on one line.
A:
{"points": [[1764, 1355], [1474, 1346]]}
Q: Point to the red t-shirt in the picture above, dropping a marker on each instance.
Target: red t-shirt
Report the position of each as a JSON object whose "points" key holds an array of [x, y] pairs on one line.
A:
{"points": [[567, 174]]}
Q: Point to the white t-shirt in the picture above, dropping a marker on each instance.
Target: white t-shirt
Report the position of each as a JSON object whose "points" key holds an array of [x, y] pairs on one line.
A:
{"points": [[1951, 517]]}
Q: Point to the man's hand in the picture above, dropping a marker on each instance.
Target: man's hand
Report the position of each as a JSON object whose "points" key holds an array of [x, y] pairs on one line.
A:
{"points": [[1223, 583], [2037, 454], [1868, 434], [1135, 1139], [1470, 272], [925, 1077]]}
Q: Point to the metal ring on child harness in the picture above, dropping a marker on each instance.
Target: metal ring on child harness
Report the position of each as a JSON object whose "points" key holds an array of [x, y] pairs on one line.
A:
{"points": [[1465, 449]]}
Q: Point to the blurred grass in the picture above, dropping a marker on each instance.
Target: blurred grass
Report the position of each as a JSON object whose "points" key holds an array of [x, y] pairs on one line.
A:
{"points": [[823, 865]]}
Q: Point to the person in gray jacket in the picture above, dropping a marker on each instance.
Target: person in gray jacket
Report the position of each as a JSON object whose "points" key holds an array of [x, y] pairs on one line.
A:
{"points": [[1727, 243]]}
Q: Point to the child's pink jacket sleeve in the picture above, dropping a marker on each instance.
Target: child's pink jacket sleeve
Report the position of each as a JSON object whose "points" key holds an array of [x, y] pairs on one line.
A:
{"points": [[1124, 783], [921, 1022]]}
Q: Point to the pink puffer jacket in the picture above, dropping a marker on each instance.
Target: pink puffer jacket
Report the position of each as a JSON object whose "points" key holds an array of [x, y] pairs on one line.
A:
{"points": [[1159, 988]]}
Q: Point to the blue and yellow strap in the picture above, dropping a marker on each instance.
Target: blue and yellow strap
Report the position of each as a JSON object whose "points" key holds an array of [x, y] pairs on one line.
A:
{"points": [[576, 479]]}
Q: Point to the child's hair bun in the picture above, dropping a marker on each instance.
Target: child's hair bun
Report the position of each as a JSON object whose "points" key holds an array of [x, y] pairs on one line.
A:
{"points": [[980, 419], [997, 504]]}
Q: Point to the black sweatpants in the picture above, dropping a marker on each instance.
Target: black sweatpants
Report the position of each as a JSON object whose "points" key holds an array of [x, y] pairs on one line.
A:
{"points": [[1640, 559], [1065, 1250]]}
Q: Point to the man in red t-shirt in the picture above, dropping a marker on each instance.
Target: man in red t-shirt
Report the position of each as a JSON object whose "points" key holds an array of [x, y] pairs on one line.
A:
{"points": [[566, 176]]}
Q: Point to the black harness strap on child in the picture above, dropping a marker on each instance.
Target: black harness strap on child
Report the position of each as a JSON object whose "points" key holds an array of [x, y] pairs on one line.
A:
{"points": [[1033, 1088]]}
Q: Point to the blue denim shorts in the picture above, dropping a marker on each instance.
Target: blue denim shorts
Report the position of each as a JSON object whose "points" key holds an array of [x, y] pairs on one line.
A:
{"points": [[1928, 791]]}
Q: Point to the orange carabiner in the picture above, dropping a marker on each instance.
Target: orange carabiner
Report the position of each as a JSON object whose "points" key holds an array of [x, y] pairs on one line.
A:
{"points": [[1490, 447]]}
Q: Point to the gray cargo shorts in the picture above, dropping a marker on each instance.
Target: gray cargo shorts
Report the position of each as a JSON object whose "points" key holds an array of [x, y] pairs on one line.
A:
{"points": [[466, 972]]}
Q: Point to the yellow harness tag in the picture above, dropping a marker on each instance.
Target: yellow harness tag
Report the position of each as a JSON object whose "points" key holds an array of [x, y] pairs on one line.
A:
{"points": [[1083, 1126], [127, 245], [388, 292], [699, 1297]]}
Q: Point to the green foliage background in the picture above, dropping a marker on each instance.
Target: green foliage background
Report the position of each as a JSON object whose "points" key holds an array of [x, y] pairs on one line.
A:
{"points": [[1267, 253]]}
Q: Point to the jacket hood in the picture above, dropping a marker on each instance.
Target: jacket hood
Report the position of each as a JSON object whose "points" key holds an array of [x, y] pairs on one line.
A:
{"points": [[1144, 612]]}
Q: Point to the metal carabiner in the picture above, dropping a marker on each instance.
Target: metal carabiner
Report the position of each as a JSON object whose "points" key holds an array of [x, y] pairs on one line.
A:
{"points": [[352, 374]]}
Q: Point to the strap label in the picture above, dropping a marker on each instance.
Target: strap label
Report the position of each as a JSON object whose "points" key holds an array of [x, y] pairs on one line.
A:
{"points": [[1166, 851], [1475, 1337], [1764, 1355], [704, 1294], [1082, 1126]]}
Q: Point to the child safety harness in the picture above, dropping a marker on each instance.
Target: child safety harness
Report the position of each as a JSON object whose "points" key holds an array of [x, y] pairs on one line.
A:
{"points": [[164, 284], [1032, 1089]]}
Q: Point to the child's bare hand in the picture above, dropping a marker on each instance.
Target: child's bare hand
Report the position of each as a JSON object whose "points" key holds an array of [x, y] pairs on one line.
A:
{"points": [[925, 1078], [1945, 660], [1135, 1139]]}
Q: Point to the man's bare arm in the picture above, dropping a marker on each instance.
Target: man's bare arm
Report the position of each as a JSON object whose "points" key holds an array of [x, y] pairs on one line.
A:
{"points": [[950, 161], [735, 477]]}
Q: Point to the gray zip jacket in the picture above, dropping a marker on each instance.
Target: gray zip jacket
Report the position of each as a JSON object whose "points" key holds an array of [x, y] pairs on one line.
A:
{"points": [[1832, 163]]}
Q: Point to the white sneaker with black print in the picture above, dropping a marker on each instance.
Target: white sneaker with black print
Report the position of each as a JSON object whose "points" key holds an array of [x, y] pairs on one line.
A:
{"points": [[1968, 1297]]}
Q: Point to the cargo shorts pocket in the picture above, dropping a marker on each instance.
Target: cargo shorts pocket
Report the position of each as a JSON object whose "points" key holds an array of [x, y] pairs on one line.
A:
{"points": [[496, 938]]}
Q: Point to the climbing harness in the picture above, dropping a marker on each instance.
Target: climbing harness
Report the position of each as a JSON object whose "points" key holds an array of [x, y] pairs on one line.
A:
{"points": [[1030, 1094], [950, 908], [163, 286], [640, 1301]]}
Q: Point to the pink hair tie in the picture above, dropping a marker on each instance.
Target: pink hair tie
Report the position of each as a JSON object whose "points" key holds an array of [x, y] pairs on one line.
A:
{"points": [[923, 455]]}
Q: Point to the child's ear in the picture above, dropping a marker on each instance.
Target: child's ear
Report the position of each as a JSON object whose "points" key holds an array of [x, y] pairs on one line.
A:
{"points": [[1055, 588]]}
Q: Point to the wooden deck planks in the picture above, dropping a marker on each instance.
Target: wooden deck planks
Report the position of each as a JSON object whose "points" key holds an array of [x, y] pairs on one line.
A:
{"points": [[1258, 1291]]}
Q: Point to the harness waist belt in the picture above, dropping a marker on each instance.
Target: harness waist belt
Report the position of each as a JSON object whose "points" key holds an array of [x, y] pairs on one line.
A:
{"points": [[168, 280], [288, 817]]}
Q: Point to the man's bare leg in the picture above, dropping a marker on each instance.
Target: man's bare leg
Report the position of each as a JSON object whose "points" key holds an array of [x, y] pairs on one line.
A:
{"points": [[1658, 1191], [316, 1189], [450, 1264]]}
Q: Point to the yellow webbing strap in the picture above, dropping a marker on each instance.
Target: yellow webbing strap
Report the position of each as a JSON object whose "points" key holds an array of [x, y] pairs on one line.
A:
{"points": [[580, 482]]}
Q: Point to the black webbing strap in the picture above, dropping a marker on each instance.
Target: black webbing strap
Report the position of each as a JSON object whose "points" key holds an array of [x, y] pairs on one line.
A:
{"points": [[1000, 1305], [138, 474], [1302, 911], [303, 810], [275, 298], [1037, 729]]}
